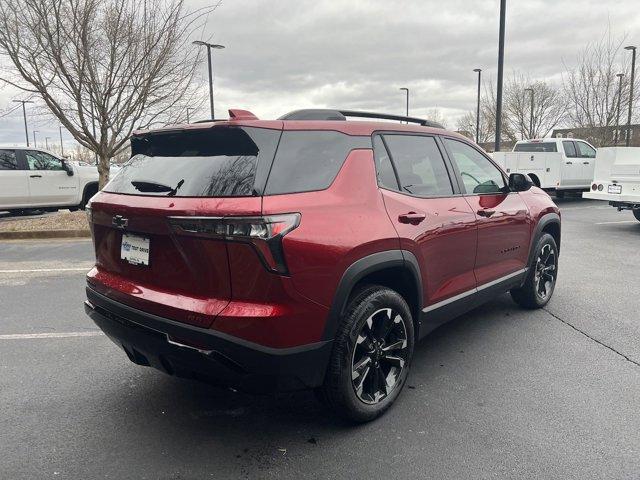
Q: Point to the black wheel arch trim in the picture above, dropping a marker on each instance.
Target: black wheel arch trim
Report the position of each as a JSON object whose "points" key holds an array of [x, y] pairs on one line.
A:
{"points": [[86, 188], [366, 266], [545, 220]]}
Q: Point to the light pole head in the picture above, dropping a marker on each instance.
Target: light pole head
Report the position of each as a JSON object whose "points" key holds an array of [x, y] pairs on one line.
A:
{"points": [[207, 44], [630, 47], [477, 70], [620, 75], [404, 88]]}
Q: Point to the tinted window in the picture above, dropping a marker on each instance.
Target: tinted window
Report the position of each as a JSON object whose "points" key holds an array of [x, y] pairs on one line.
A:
{"points": [[585, 150], [478, 174], [384, 169], [216, 162], [419, 164], [308, 161], [42, 161], [569, 149], [536, 147], [8, 160]]}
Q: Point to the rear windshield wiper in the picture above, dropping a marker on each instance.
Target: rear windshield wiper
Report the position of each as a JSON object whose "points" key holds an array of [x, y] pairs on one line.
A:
{"points": [[155, 187]]}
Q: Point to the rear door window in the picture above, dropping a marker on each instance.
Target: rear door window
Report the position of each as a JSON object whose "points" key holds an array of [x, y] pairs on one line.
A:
{"points": [[310, 160], [569, 149], [215, 162], [420, 165], [8, 160]]}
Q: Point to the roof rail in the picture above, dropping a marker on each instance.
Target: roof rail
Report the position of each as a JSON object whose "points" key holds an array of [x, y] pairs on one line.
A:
{"points": [[330, 114]]}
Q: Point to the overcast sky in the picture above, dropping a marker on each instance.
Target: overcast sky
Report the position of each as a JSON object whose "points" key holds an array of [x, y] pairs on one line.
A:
{"points": [[284, 55]]}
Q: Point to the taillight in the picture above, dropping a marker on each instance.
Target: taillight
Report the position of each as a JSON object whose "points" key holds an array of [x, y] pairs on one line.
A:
{"points": [[594, 187], [264, 233], [600, 187]]}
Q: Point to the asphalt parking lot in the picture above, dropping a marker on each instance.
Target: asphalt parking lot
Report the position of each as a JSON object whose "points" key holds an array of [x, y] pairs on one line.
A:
{"points": [[498, 393]]}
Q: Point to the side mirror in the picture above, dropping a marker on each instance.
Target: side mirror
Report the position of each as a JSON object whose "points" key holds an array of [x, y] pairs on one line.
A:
{"points": [[67, 168], [519, 182]]}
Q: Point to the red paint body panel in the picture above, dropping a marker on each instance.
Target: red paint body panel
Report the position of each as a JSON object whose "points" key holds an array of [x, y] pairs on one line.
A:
{"points": [[444, 242], [503, 237], [339, 225]]}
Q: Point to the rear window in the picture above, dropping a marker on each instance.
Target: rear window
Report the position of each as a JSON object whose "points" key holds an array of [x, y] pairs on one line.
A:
{"points": [[310, 160], [216, 162], [536, 147]]}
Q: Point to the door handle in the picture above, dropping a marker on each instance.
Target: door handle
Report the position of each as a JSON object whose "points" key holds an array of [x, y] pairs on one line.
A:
{"points": [[412, 217], [585, 163], [569, 163], [35, 176], [485, 213]]}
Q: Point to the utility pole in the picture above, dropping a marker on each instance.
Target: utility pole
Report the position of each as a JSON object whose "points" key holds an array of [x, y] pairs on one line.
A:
{"points": [[530, 113], [616, 137], [24, 113], [61, 146], [407, 107], [633, 74], [479, 71], [503, 7]]}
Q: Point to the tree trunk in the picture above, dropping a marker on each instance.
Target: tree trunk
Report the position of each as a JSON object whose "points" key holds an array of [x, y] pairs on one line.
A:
{"points": [[103, 170]]}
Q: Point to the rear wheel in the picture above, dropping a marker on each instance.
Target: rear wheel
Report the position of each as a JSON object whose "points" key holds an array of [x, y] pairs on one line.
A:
{"points": [[89, 192], [559, 194], [636, 213], [371, 355], [541, 278]]}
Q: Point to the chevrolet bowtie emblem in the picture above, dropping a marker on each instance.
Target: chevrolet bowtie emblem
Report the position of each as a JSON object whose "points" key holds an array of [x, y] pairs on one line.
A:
{"points": [[119, 221]]}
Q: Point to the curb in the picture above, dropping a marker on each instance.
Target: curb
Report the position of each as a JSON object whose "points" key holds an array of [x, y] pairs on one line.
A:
{"points": [[37, 234]]}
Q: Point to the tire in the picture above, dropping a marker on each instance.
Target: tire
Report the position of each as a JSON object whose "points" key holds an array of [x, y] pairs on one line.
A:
{"points": [[540, 283], [89, 192], [371, 311], [636, 213], [559, 194]]}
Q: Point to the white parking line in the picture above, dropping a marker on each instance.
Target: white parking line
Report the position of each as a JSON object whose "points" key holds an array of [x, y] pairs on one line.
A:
{"points": [[621, 221], [23, 336], [37, 270]]}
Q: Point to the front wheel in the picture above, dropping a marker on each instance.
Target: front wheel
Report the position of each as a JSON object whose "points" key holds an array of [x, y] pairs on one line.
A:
{"points": [[541, 278], [636, 213], [371, 355]]}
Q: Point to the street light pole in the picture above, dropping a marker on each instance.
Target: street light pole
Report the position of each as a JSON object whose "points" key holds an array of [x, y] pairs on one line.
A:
{"points": [[616, 137], [479, 71], [503, 8], [530, 113], [209, 47], [46, 142], [61, 146], [407, 92], [633, 74], [189, 108], [24, 114], [35, 145]]}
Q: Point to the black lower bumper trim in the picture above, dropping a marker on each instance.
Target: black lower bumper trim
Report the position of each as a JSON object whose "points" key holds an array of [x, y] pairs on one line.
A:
{"points": [[219, 359]]}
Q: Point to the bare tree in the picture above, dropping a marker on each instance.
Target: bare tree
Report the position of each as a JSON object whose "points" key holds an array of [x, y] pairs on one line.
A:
{"points": [[592, 88], [103, 67], [549, 106]]}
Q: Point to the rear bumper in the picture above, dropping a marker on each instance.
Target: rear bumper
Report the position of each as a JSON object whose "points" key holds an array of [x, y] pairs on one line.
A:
{"points": [[193, 352]]}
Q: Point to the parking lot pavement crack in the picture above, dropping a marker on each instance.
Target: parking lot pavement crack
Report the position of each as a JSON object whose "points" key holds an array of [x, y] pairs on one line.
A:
{"points": [[627, 358]]}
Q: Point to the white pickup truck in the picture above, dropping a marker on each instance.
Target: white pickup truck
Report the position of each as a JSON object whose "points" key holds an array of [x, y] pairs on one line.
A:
{"points": [[34, 179], [617, 178], [560, 164]]}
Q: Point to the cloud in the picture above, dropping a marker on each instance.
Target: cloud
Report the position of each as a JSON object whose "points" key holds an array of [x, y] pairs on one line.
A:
{"points": [[284, 55]]}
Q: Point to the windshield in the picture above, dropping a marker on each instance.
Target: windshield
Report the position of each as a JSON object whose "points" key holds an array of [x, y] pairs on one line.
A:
{"points": [[217, 162]]}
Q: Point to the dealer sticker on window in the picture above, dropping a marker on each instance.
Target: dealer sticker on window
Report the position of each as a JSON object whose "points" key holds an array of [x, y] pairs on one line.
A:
{"points": [[135, 249], [614, 189]]}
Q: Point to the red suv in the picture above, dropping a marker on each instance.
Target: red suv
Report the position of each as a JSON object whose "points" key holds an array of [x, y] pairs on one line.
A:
{"points": [[309, 251]]}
